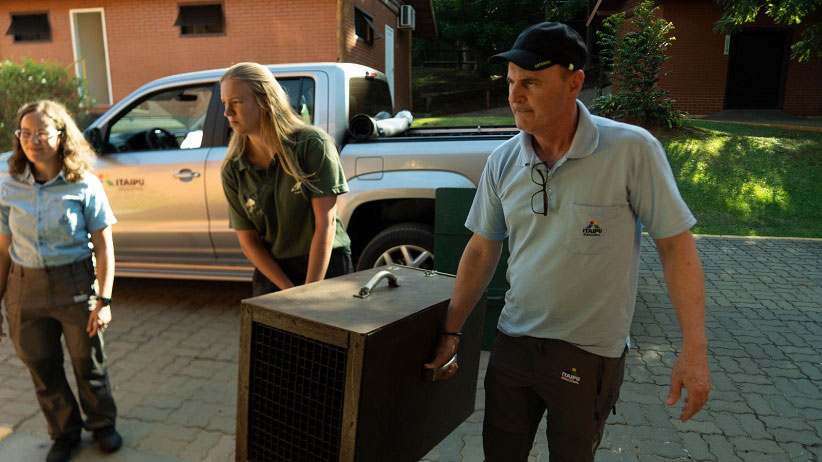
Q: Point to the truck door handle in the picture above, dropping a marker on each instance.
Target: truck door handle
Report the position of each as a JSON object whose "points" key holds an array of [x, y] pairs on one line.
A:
{"points": [[185, 175]]}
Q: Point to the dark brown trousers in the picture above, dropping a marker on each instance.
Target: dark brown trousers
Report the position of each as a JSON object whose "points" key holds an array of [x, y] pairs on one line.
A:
{"points": [[528, 376], [42, 305]]}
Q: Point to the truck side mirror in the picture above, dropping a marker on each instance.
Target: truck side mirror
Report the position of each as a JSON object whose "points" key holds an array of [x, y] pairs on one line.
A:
{"points": [[95, 139]]}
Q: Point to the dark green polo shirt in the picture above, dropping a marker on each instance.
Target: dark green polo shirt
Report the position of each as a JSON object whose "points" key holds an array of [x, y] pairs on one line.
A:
{"points": [[267, 201]]}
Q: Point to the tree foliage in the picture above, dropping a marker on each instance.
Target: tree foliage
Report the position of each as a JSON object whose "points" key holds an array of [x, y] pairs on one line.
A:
{"points": [[31, 81], [488, 27], [783, 13], [633, 52]]}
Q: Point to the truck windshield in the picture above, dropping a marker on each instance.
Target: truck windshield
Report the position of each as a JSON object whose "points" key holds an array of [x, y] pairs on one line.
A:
{"points": [[368, 96]]}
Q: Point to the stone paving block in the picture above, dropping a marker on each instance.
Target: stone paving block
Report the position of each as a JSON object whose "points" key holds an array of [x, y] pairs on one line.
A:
{"points": [[721, 448], [633, 414], [728, 423], [202, 368], [760, 457], [774, 422], [666, 449], [159, 444], [702, 427], [202, 443], [222, 423], [607, 455], [634, 393], [162, 401], [751, 379], [149, 413], [797, 452], [472, 448], [722, 382], [729, 365], [660, 416], [753, 426], [133, 431], [33, 425], [810, 370], [807, 438], [719, 405], [175, 432], [189, 388], [695, 446], [817, 452], [766, 446], [757, 402], [193, 413]]}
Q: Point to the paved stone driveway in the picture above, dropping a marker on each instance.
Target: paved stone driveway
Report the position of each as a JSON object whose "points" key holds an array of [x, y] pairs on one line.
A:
{"points": [[173, 349]]}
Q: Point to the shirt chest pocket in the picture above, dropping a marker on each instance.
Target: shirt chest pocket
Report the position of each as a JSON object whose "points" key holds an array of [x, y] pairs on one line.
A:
{"points": [[71, 224], [594, 230]]}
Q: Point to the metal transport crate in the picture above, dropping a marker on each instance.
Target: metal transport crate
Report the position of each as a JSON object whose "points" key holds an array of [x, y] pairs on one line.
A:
{"points": [[326, 375]]}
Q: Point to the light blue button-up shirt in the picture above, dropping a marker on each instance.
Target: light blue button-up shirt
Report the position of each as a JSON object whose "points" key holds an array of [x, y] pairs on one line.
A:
{"points": [[50, 223], [574, 271]]}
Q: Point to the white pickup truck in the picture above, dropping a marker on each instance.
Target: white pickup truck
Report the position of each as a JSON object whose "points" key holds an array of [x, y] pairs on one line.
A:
{"points": [[161, 148]]}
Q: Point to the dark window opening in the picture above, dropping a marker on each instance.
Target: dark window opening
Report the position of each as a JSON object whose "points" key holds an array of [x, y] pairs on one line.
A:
{"points": [[364, 26], [30, 27], [201, 19]]}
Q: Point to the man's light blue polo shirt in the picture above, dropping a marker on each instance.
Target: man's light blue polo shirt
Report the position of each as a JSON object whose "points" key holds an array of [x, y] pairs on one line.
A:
{"points": [[573, 273], [50, 222]]}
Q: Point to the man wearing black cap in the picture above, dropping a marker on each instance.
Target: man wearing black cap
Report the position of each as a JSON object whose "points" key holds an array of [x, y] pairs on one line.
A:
{"points": [[571, 193]]}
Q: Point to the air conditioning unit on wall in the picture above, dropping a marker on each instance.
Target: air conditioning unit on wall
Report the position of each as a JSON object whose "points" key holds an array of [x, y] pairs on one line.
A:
{"points": [[408, 17]]}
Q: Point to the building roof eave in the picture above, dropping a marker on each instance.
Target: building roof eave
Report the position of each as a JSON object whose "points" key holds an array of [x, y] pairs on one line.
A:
{"points": [[426, 25]]}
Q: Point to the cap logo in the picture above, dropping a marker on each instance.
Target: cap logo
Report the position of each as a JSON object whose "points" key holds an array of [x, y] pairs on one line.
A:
{"points": [[542, 64]]}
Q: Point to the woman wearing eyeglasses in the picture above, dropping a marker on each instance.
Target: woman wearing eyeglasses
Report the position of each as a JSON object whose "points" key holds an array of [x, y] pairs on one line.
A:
{"points": [[54, 215]]}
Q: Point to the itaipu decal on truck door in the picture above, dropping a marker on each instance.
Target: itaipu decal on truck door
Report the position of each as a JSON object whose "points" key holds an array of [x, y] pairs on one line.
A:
{"points": [[122, 183]]}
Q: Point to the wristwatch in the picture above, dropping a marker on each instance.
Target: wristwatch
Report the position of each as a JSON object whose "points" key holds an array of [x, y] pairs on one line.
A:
{"points": [[105, 301]]}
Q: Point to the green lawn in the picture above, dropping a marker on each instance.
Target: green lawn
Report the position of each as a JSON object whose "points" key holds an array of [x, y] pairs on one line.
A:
{"points": [[448, 121], [749, 181], [737, 179]]}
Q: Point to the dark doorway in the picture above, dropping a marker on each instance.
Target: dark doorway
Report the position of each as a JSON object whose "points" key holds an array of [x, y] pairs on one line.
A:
{"points": [[756, 68]]}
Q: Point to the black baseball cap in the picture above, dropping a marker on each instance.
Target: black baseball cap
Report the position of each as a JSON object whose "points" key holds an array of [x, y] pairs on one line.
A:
{"points": [[545, 44]]}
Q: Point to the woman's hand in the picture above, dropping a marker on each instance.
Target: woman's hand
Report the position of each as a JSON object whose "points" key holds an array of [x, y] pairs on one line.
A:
{"points": [[99, 319]]}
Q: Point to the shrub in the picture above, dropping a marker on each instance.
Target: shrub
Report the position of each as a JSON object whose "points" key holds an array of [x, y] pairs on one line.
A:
{"points": [[30, 81], [634, 53]]}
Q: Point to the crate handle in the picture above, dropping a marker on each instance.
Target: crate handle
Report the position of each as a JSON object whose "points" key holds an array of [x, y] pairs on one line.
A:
{"points": [[365, 290]]}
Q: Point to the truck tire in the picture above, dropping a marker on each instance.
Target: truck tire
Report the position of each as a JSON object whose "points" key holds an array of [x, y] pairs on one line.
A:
{"points": [[408, 244]]}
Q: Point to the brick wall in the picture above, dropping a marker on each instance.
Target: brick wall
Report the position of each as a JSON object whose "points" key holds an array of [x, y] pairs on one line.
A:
{"points": [[144, 44], [802, 94], [358, 51], [699, 67]]}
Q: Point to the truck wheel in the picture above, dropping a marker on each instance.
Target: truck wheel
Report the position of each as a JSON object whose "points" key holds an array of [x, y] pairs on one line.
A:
{"points": [[408, 244]]}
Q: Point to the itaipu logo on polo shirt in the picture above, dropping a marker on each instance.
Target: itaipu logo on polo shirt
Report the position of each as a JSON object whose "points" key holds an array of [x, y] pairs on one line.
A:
{"points": [[571, 376], [592, 230]]}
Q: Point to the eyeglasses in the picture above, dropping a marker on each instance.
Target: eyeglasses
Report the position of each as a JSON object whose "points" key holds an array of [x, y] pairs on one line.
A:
{"points": [[42, 136], [540, 174]]}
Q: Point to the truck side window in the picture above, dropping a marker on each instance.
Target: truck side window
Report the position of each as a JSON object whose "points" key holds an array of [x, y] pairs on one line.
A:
{"points": [[171, 119], [300, 92]]}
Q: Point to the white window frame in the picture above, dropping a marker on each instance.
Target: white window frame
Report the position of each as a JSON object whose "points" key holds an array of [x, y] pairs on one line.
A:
{"points": [[78, 70]]}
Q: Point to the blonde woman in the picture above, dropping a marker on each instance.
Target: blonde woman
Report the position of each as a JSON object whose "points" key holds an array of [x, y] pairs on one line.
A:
{"points": [[53, 215], [281, 178]]}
